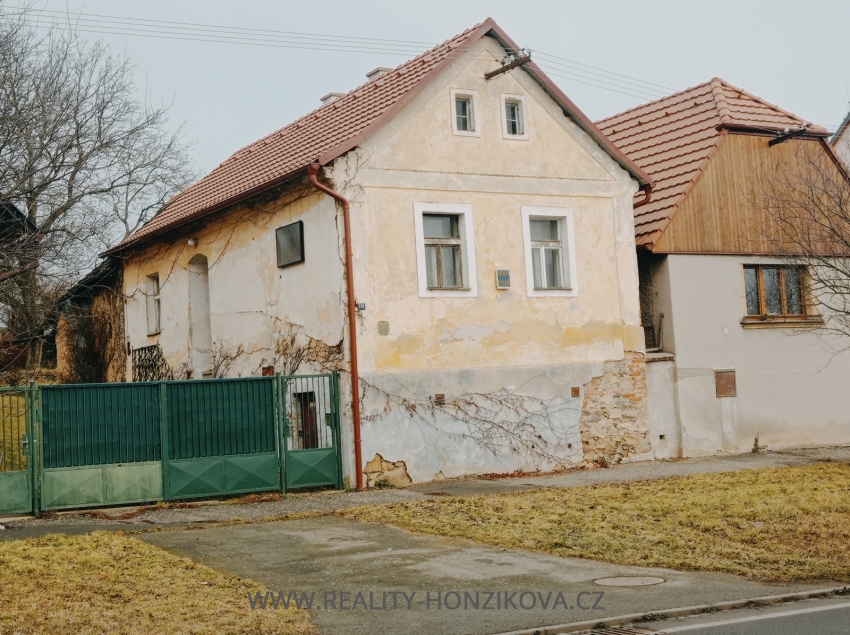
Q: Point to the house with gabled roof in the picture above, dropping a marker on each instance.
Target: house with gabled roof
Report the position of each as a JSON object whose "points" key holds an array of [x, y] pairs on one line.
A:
{"points": [[737, 355], [454, 236]]}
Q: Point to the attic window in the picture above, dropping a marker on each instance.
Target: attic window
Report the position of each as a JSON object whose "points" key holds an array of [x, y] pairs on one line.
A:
{"points": [[464, 105], [514, 117]]}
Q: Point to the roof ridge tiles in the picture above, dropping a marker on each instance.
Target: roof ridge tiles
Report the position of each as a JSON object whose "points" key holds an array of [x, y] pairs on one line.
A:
{"points": [[723, 110]]}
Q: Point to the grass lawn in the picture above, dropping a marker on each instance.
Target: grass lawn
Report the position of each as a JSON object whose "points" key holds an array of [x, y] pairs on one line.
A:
{"points": [[773, 524], [108, 583]]}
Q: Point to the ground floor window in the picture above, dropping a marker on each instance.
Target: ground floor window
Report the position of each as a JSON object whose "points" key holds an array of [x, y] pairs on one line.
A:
{"points": [[773, 290]]}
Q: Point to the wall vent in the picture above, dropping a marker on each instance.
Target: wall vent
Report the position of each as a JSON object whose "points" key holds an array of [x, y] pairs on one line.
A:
{"points": [[503, 278]]}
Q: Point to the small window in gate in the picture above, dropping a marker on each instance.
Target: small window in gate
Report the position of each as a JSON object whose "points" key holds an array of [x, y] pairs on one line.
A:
{"points": [[306, 420]]}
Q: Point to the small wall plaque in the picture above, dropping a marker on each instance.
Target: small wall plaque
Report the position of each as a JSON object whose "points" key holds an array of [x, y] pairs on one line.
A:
{"points": [[575, 392], [383, 327], [724, 383]]}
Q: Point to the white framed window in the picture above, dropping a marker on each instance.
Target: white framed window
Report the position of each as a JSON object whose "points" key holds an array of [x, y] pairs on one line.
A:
{"points": [[154, 307], [514, 117], [445, 250], [550, 263], [464, 105]]}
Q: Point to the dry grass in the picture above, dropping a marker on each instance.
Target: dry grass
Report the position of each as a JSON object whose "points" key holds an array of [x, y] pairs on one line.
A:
{"points": [[108, 583], [772, 524]]}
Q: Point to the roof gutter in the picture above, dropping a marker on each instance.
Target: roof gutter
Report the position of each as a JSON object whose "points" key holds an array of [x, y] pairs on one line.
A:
{"points": [[313, 170], [647, 190], [113, 251]]}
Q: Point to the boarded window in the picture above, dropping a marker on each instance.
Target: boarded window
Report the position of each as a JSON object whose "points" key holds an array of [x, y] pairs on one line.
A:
{"points": [[290, 244]]}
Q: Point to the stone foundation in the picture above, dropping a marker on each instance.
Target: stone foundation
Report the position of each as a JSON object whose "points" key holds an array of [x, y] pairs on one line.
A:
{"points": [[614, 421]]}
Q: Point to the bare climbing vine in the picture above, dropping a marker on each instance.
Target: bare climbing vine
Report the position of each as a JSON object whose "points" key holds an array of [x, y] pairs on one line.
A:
{"points": [[499, 421]]}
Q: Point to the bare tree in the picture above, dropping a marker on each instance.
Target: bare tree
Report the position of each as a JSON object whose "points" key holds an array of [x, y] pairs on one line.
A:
{"points": [[84, 160], [803, 200]]}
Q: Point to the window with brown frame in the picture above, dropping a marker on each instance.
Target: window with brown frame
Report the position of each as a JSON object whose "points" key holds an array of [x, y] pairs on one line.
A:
{"points": [[774, 291]]}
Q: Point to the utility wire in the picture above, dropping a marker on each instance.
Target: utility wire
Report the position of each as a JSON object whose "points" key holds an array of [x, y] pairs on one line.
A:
{"points": [[190, 31]]}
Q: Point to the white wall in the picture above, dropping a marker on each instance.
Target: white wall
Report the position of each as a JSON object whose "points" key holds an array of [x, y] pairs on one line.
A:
{"points": [[791, 390]]}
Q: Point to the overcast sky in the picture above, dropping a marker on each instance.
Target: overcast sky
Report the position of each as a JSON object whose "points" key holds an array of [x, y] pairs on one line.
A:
{"points": [[794, 54]]}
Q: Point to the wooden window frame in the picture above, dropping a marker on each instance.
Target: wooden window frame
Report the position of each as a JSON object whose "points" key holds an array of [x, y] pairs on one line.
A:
{"points": [[466, 229], [153, 304], [472, 97], [438, 243], [778, 319]]}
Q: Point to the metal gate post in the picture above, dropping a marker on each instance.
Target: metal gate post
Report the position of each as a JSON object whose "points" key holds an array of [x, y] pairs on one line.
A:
{"points": [[337, 434], [278, 414], [284, 430], [34, 432], [163, 435]]}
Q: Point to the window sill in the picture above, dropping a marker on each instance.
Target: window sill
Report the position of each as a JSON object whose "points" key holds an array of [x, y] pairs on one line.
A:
{"points": [[778, 322], [448, 289]]}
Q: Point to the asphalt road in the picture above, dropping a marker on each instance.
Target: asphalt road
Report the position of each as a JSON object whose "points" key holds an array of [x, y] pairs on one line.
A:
{"points": [[808, 617]]}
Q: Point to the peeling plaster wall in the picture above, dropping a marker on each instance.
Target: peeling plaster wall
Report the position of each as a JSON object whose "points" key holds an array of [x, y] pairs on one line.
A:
{"points": [[509, 357], [251, 300], [506, 363], [791, 389]]}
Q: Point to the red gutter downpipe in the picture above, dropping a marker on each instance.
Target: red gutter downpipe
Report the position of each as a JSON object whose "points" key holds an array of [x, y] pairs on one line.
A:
{"points": [[648, 196], [313, 170]]}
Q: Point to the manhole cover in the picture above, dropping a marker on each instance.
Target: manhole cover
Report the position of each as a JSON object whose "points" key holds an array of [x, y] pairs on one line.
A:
{"points": [[630, 580]]}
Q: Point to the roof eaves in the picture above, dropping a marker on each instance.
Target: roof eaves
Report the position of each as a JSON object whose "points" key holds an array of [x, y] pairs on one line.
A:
{"points": [[476, 33], [117, 249], [574, 113], [834, 139]]}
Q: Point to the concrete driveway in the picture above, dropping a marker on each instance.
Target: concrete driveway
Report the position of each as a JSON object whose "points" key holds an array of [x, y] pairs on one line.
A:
{"points": [[333, 555]]}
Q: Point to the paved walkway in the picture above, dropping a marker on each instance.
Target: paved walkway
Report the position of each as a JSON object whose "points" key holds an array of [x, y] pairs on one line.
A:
{"points": [[331, 500], [333, 555]]}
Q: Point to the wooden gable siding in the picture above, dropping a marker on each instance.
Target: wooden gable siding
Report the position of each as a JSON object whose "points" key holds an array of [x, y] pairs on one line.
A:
{"points": [[718, 215]]}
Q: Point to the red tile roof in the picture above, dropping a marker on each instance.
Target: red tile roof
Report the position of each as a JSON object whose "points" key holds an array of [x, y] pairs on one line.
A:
{"points": [[673, 139], [335, 128]]}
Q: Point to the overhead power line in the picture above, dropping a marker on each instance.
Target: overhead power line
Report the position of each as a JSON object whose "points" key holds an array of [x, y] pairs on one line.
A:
{"points": [[217, 34]]}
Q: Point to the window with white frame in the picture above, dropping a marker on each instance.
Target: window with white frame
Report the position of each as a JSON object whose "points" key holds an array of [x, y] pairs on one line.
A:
{"points": [[464, 112], [153, 304], [549, 251], [444, 250], [514, 117]]}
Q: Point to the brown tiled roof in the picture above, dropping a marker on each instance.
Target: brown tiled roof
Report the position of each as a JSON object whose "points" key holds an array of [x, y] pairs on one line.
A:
{"points": [[673, 139], [336, 128]]}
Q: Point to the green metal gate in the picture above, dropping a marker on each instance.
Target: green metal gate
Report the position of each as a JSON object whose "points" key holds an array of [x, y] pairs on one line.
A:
{"points": [[67, 446], [222, 437], [310, 406], [17, 432], [100, 445]]}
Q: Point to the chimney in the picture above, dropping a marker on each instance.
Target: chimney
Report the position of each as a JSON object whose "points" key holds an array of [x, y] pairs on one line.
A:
{"points": [[331, 97], [375, 74]]}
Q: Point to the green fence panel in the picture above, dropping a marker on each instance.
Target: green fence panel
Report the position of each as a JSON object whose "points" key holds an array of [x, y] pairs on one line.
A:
{"points": [[220, 417], [97, 424], [17, 414], [222, 437], [90, 486], [15, 496]]}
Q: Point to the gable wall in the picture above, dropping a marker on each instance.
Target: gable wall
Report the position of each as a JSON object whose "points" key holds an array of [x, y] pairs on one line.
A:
{"points": [[718, 215], [417, 158]]}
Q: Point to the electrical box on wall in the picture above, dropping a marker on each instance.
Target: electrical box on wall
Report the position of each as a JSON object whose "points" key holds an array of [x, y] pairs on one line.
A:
{"points": [[725, 384], [503, 278]]}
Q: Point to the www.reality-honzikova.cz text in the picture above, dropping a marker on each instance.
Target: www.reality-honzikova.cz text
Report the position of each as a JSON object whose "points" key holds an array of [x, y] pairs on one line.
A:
{"points": [[427, 600]]}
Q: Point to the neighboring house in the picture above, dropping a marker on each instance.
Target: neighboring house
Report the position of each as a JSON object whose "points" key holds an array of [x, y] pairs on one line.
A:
{"points": [[841, 140], [90, 328], [495, 284], [715, 299]]}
